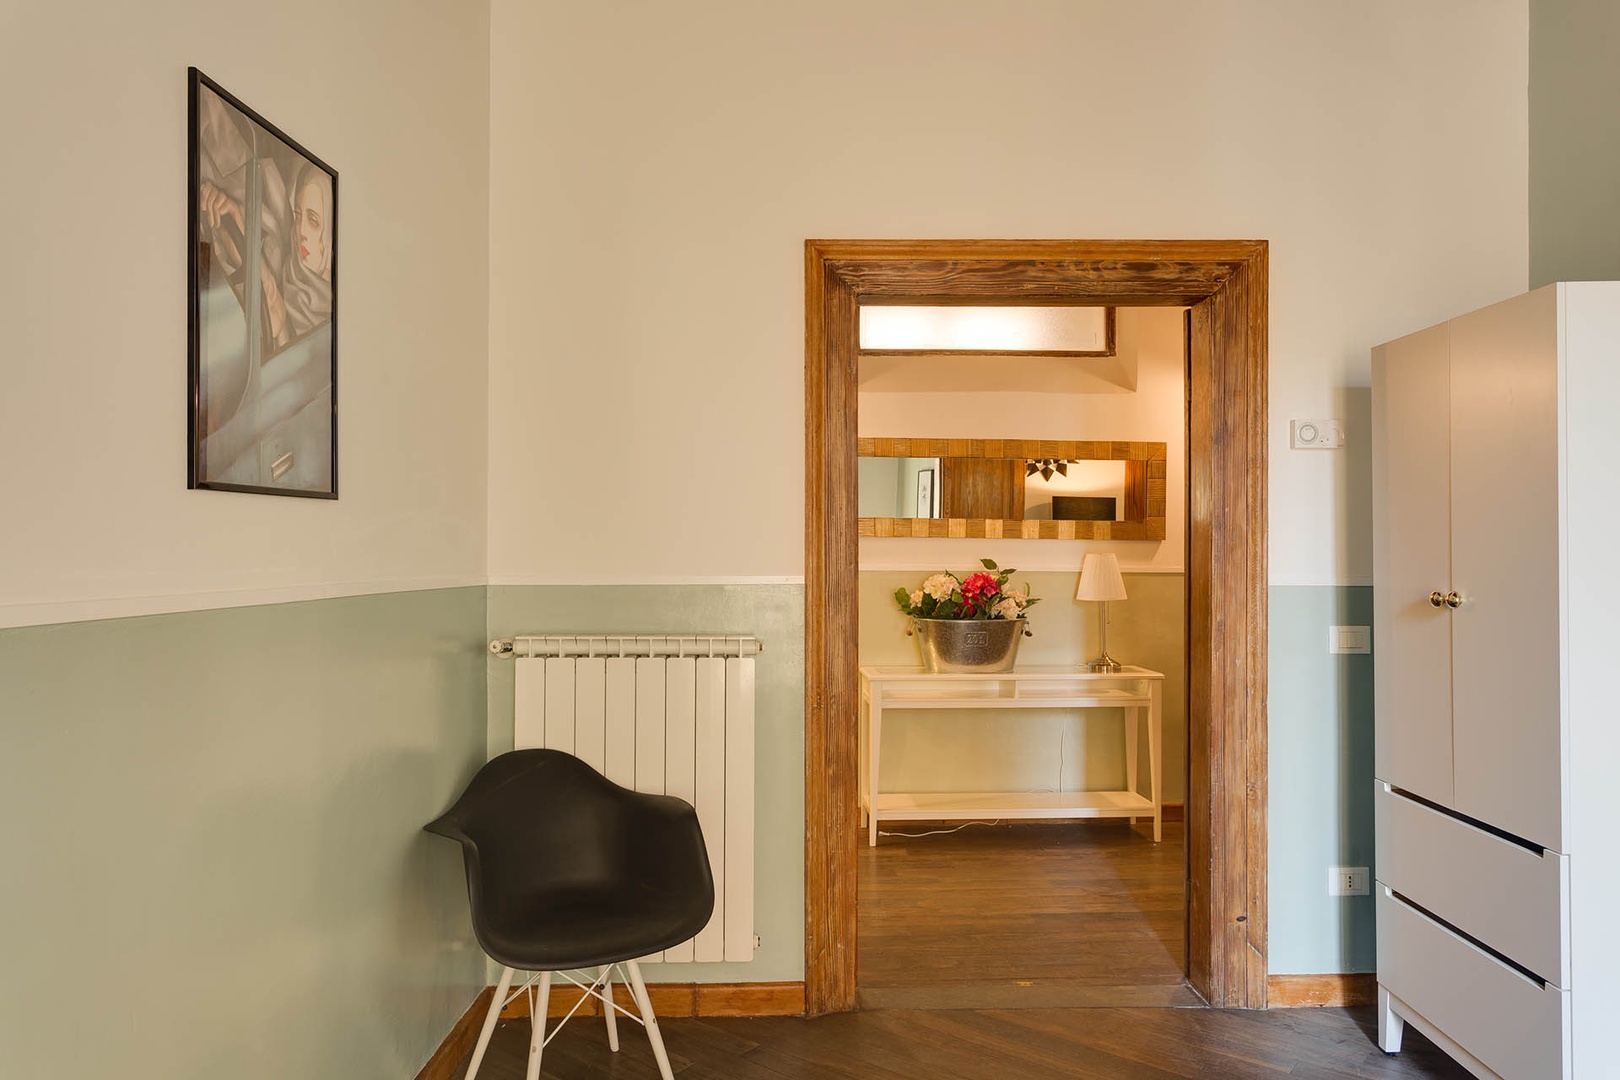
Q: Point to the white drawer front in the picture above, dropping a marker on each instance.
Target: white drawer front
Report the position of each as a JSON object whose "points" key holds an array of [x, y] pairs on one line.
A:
{"points": [[1518, 1029], [1506, 896]]}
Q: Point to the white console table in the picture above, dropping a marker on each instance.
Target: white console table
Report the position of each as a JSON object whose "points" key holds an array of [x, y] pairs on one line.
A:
{"points": [[1133, 689]]}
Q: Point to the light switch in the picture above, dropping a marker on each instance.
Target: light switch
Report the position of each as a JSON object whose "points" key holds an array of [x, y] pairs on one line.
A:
{"points": [[1349, 639]]}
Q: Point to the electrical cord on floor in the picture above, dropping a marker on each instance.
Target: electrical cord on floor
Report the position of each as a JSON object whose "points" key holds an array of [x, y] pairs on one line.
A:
{"points": [[1063, 740], [938, 832]]}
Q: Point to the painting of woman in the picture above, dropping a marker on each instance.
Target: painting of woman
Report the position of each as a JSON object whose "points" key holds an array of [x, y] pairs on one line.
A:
{"points": [[264, 258]]}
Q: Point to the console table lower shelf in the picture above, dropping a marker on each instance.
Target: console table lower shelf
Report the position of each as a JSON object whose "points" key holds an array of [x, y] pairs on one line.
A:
{"points": [[1135, 690], [973, 805]]}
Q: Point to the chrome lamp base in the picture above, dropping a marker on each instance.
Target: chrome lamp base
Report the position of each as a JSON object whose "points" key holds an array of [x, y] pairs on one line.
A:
{"points": [[1104, 664]]}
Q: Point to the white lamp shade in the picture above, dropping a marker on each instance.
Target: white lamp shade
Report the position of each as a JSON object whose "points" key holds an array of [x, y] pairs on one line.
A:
{"points": [[1100, 579]]}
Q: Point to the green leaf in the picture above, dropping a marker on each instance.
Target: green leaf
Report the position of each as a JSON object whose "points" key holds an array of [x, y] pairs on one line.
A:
{"points": [[903, 598], [989, 564]]}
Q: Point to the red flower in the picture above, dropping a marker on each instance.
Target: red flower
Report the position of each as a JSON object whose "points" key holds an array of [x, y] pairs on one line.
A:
{"points": [[978, 591]]}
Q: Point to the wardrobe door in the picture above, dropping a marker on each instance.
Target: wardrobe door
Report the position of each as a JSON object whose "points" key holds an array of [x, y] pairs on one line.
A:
{"points": [[1411, 560], [1505, 566]]}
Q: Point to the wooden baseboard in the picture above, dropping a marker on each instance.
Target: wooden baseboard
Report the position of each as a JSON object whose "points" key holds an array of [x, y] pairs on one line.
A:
{"points": [[680, 999], [1295, 991], [459, 1043]]}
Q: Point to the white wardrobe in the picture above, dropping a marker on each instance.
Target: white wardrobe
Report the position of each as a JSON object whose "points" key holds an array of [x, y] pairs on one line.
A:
{"points": [[1496, 478]]}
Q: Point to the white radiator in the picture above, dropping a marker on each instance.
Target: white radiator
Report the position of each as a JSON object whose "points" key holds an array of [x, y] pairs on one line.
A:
{"points": [[670, 715]]}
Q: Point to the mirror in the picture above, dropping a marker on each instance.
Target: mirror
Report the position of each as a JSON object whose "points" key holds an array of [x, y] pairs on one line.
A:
{"points": [[1011, 488]]}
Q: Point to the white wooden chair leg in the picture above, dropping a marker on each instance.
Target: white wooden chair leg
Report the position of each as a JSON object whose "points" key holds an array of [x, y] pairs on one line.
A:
{"points": [[1390, 1025], [537, 1020], [608, 1010], [644, 1004], [490, 1019]]}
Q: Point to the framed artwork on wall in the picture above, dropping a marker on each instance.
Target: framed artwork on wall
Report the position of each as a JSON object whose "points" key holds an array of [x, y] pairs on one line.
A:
{"points": [[262, 326], [925, 493]]}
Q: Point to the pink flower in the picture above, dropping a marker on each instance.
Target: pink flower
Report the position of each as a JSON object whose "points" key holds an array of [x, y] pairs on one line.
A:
{"points": [[978, 591]]}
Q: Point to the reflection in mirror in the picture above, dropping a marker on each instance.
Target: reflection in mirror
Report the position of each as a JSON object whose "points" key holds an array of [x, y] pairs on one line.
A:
{"points": [[1082, 491], [898, 487], [978, 487], [1013, 489]]}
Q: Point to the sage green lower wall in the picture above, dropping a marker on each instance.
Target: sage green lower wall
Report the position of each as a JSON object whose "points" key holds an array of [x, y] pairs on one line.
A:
{"points": [[774, 614], [210, 824], [1320, 732], [210, 820], [1321, 775], [1036, 749]]}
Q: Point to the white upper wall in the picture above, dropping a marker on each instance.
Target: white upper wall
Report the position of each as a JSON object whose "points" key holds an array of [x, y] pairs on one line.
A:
{"points": [[1574, 146], [97, 518], [656, 170]]}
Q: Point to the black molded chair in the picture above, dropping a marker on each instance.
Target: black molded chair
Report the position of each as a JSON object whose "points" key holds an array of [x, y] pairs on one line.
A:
{"points": [[568, 870]]}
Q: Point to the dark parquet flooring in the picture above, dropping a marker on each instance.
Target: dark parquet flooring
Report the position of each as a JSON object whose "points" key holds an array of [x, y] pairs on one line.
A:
{"points": [[1063, 1044], [1058, 914], [1079, 914]]}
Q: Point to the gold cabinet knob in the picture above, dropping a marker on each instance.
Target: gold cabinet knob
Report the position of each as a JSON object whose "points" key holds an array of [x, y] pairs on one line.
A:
{"points": [[1454, 600], [1437, 598]]}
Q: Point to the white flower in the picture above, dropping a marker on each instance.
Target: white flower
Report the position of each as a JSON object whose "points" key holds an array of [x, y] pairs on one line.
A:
{"points": [[1020, 595], [1008, 607], [940, 586], [916, 598]]}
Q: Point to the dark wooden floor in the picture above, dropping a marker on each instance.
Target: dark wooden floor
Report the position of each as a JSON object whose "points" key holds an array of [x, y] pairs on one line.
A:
{"points": [[1060, 1044], [1068, 914], [1013, 916]]}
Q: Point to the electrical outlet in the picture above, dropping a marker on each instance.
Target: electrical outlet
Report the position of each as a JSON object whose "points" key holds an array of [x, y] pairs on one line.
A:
{"points": [[1347, 881]]}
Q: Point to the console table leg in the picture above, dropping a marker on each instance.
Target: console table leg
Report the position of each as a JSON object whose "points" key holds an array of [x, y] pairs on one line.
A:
{"points": [[1156, 754], [874, 739], [1132, 728]]}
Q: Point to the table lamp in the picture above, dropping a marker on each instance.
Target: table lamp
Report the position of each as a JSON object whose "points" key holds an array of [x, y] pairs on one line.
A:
{"points": [[1100, 580]]}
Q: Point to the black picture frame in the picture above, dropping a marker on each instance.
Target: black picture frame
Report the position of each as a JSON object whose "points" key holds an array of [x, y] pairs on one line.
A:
{"points": [[261, 303]]}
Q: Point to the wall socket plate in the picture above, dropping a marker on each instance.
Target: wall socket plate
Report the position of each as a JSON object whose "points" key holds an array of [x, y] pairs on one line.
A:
{"points": [[1349, 639], [1316, 434], [1347, 881]]}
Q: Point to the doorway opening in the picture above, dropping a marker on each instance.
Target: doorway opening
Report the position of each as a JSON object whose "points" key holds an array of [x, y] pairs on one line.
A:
{"points": [[1223, 284], [1024, 835]]}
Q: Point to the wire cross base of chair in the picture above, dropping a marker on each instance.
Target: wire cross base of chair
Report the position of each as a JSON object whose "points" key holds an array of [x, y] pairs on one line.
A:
{"points": [[599, 989], [537, 987]]}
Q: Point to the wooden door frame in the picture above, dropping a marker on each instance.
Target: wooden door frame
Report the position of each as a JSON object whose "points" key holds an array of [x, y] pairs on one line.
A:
{"points": [[1224, 282]]}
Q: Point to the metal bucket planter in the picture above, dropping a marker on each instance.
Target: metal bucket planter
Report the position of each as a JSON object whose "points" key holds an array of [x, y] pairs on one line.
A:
{"points": [[981, 646]]}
